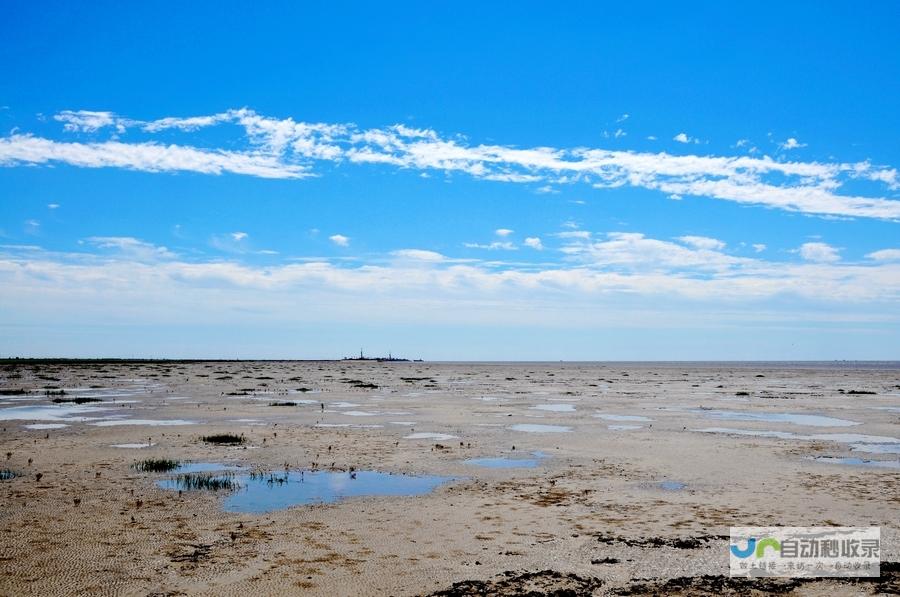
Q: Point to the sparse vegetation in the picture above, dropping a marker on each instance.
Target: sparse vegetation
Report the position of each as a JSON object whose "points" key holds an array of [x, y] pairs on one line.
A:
{"points": [[208, 481], [224, 439], [14, 392], [155, 465], [283, 403], [79, 400]]}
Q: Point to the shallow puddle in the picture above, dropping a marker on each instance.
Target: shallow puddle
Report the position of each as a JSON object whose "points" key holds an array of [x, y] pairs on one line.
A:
{"points": [[51, 412], [607, 417], [429, 435], [261, 493], [147, 422], [892, 464], [536, 428], [843, 438], [792, 418], [501, 462], [556, 408], [876, 448]]}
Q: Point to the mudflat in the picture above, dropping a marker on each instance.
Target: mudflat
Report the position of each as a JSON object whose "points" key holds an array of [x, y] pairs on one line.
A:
{"points": [[411, 478]]}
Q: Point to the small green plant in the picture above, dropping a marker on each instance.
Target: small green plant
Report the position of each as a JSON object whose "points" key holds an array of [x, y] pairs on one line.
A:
{"points": [[208, 481], [155, 465], [224, 439]]}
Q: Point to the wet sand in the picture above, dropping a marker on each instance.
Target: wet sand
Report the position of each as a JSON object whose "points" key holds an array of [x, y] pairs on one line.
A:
{"points": [[639, 472]]}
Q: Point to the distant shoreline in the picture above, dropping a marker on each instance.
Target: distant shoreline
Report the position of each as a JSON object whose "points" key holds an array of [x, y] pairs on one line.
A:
{"points": [[849, 364]]}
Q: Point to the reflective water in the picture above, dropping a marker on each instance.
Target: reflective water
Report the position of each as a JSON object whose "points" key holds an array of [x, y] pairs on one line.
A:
{"points": [[557, 408], [429, 435], [892, 464], [792, 418], [535, 428], [500, 462], [607, 417], [258, 494]]}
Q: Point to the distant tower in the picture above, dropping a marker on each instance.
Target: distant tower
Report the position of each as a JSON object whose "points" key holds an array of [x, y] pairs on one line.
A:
{"points": [[360, 354]]}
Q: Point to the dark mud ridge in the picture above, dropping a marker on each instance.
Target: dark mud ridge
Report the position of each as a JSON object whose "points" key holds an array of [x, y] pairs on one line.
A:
{"points": [[550, 583], [529, 584]]}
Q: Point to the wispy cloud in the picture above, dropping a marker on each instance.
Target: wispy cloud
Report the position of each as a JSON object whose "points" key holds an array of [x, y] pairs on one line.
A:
{"points": [[702, 242], [885, 255], [494, 246], [130, 248], [340, 240], [534, 242], [616, 271], [791, 143], [284, 148], [819, 252]]}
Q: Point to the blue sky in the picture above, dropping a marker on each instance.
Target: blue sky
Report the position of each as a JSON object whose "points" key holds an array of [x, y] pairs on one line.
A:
{"points": [[453, 181]]}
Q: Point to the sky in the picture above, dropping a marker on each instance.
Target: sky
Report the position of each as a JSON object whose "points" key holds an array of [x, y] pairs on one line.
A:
{"points": [[450, 181]]}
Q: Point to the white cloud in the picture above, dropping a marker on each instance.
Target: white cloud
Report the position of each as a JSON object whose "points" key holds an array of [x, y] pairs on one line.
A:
{"points": [[759, 247], [702, 242], [419, 255], [494, 246], [238, 236], [635, 251], [131, 248], [32, 226], [503, 232], [53, 206], [885, 255], [146, 157], [340, 240], [791, 143], [819, 252], [87, 121], [623, 117], [682, 138], [612, 277], [284, 148], [534, 242], [583, 234]]}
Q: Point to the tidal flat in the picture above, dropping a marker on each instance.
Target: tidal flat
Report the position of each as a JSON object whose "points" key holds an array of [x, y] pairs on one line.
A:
{"points": [[417, 478]]}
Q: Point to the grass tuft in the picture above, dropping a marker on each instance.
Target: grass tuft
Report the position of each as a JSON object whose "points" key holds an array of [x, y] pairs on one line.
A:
{"points": [[208, 481], [224, 439], [155, 465]]}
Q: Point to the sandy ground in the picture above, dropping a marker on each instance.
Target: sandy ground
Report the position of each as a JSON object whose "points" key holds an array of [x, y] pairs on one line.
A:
{"points": [[591, 518]]}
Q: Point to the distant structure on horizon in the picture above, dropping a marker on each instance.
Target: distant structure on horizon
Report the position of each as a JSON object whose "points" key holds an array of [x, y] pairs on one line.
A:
{"points": [[389, 358]]}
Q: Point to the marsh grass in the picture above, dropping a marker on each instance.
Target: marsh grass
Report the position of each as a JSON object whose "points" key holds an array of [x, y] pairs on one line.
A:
{"points": [[224, 439], [207, 481], [268, 477], [15, 392], [283, 403], [155, 465], [75, 400]]}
